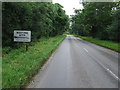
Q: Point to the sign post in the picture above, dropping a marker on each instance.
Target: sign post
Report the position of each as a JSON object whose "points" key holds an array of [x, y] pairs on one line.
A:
{"points": [[22, 36], [26, 46]]}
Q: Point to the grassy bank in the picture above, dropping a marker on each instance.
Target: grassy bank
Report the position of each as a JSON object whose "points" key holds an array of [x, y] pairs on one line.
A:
{"points": [[108, 44], [19, 66]]}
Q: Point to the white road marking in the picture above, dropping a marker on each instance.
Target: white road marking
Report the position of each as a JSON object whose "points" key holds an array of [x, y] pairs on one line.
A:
{"points": [[115, 76], [109, 71], [85, 49]]}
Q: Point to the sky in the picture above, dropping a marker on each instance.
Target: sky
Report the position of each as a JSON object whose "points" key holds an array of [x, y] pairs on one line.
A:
{"points": [[69, 5]]}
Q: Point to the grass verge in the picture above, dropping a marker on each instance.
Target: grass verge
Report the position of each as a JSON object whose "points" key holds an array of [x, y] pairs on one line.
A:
{"points": [[18, 68], [107, 44]]}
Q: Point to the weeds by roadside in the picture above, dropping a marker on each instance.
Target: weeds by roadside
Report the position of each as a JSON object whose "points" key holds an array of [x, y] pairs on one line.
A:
{"points": [[18, 66], [108, 44]]}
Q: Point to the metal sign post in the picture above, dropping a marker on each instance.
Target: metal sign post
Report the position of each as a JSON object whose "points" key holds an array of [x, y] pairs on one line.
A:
{"points": [[22, 36]]}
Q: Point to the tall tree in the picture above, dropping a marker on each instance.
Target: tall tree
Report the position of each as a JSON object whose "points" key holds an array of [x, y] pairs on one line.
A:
{"points": [[43, 19], [94, 19]]}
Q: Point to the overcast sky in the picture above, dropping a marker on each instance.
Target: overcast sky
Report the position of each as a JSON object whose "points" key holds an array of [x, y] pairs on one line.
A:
{"points": [[69, 5]]}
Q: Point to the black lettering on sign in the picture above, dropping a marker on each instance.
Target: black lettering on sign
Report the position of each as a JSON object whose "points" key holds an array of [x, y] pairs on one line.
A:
{"points": [[22, 33], [26, 32]]}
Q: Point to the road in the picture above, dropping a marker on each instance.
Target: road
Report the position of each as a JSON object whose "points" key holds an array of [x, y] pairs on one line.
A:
{"points": [[79, 64]]}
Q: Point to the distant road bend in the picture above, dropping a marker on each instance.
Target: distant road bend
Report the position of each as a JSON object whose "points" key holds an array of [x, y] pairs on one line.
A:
{"points": [[79, 64]]}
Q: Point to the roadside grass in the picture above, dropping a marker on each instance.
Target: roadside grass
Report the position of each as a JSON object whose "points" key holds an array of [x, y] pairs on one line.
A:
{"points": [[107, 44], [66, 34], [18, 67]]}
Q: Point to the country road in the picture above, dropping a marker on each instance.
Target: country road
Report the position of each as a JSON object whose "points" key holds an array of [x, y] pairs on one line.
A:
{"points": [[79, 64]]}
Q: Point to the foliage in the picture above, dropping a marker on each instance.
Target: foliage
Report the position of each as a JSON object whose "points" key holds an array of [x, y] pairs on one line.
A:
{"points": [[44, 19], [18, 67], [108, 44], [97, 19]]}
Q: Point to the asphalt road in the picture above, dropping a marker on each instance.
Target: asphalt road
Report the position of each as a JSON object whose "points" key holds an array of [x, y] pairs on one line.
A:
{"points": [[79, 64]]}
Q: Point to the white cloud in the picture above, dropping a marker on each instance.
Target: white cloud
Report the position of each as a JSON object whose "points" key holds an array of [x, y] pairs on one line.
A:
{"points": [[69, 5]]}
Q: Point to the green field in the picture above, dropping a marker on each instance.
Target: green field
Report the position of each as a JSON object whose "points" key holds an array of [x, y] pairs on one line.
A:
{"points": [[19, 66], [108, 44]]}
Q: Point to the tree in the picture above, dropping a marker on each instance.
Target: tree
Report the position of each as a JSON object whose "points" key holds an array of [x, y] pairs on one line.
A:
{"points": [[43, 19], [94, 19]]}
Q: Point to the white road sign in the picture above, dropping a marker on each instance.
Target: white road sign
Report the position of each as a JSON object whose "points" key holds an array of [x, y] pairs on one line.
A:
{"points": [[22, 36]]}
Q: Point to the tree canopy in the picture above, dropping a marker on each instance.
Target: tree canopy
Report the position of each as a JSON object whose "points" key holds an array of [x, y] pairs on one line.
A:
{"points": [[44, 19], [98, 20]]}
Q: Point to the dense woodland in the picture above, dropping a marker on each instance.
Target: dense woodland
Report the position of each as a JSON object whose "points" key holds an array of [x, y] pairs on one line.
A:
{"points": [[98, 20], [43, 19]]}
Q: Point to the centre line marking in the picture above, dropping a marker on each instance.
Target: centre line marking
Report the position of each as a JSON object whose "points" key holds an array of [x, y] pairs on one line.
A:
{"points": [[113, 74], [85, 49], [110, 72]]}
